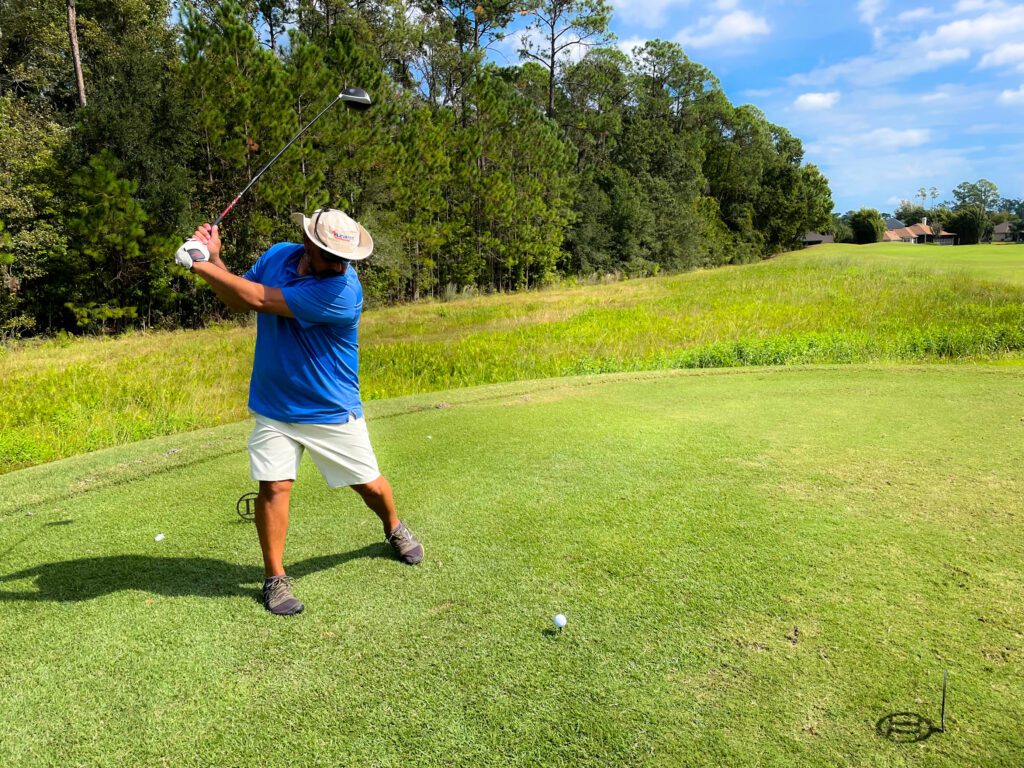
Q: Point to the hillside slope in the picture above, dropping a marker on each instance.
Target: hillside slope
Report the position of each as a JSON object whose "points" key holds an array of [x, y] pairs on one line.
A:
{"points": [[819, 306]]}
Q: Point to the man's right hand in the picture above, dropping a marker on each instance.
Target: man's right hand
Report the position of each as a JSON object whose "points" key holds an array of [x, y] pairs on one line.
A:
{"points": [[210, 237]]}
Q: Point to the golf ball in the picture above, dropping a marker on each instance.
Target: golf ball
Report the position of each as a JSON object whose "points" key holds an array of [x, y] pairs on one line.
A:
{"points": [[158, 537], [560, 620]]}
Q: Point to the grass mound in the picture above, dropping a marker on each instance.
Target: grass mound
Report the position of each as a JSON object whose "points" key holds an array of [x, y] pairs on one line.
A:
{"points": [[757, 567], [834, 305]]}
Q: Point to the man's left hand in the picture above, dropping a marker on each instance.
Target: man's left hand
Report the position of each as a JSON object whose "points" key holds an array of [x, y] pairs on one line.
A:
{"points": [[190, 252]]}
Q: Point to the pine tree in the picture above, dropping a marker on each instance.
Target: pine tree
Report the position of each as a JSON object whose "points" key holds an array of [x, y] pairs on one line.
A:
{"points": [[561, 26], [100, 280], [422, 172]]}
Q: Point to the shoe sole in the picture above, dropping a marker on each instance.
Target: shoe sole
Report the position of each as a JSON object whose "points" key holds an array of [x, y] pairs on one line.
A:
{"points": [[290, 613]]}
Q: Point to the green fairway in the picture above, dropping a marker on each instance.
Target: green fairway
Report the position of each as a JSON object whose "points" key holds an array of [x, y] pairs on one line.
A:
{"points": [[757, 567], [1003, 262]]}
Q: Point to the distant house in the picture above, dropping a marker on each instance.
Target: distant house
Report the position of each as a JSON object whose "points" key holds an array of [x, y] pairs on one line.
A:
{"points": [[918, 233], [1003, 233], [817, 238], [894, 223]]}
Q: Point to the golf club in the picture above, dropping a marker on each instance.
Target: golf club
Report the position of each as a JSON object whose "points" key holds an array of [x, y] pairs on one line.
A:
{"points": [[354, 98]]}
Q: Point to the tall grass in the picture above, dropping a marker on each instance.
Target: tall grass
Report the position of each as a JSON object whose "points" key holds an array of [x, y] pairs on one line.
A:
{"points": [[60, 399]]}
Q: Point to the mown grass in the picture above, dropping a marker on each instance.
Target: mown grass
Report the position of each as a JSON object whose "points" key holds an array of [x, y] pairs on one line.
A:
{"points": [[757, 566], [829, 305], [998, 261]]}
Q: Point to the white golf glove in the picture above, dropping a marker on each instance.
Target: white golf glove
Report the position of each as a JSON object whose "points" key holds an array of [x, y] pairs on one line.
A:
{"points": [[191, 251]]}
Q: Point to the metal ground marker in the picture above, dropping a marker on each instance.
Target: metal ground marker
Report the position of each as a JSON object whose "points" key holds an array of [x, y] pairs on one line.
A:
{"points": [[942, 715]]}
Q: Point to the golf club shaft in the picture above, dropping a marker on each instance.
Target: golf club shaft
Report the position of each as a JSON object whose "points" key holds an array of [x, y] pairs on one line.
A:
{"points": [[274, 159]]}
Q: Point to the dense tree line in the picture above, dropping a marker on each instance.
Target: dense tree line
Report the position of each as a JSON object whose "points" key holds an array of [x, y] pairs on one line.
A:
{"points": [[470, 175]]}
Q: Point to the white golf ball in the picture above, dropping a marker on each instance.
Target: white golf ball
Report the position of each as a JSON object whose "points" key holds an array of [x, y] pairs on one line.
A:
{"points": [[158, 537], [560, 620]]}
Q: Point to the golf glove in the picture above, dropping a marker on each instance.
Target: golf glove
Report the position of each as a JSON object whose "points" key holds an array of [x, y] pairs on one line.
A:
{"points": [[191, 251]]}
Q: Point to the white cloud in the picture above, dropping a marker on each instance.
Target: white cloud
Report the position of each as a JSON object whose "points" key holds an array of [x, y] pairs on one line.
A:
{"points": [[988, 28], [889, 138], [948, 55], [950, 42], [814, 101], [1005, 55], [628, 44], [1011, 97], [536, 41], [915, 14], [971, 6], [711, 31], [915, 110], [878, 140], [870, 10]]}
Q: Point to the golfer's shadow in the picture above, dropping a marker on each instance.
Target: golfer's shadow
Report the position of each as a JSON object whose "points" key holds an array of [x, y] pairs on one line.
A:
{"points": [[92, 577]]}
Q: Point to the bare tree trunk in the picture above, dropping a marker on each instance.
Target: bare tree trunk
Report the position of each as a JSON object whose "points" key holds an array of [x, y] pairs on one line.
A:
{"points": [[551, 73], [73, 35]]}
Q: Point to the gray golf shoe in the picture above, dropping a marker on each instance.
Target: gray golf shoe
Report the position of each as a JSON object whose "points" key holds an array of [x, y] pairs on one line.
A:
{"points": [[405, 544], [278, 597]]}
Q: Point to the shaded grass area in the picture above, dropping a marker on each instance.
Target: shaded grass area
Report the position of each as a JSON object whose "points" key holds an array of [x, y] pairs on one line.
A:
{"points": [[756, 566], [819, 306]]}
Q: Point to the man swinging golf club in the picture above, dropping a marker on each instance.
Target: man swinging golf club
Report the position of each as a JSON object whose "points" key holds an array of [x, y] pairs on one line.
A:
{"points": [[304, 391]]}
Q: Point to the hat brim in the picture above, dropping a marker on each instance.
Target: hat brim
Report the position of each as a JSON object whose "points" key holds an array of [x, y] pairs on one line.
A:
{"points": [[362, 251]]}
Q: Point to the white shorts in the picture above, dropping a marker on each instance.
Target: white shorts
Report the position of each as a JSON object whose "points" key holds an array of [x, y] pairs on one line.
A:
{"points": [[342, 452]]}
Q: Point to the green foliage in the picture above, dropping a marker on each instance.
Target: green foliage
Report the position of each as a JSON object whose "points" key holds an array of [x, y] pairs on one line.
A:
{"points": [[982, 194], [640, 164], [558, 27], [970, 223], [910, 213], [101, 277], [840, 229], [867, 226]]}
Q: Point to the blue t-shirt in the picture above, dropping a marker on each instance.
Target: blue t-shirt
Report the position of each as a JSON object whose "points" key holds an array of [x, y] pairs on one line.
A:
{"points": [[306, 368]]}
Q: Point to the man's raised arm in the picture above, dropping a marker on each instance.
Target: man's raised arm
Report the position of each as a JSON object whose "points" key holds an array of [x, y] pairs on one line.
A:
{"points": [[239, 294]]}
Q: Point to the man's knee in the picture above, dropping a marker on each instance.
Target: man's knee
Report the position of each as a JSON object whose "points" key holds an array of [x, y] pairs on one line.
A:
{"points": [[272, 488], [373, 489]]}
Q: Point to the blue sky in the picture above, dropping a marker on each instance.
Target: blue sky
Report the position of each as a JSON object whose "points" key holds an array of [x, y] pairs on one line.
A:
{"points": [[887, 96]]}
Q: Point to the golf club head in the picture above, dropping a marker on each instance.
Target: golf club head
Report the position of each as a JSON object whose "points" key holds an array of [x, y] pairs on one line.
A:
{"points": [[356, 98]]}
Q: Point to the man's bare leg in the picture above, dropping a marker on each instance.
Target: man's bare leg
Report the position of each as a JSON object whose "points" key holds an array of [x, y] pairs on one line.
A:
{"points": [[377, 495], [272, 523]]}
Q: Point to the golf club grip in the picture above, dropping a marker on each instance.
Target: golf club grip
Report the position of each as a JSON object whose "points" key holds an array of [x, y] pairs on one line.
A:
{"points": [[227, 210]]}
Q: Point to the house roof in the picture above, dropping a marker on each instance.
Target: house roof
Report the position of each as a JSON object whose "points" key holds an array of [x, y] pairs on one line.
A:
{"points": [[913, 231], [1003, 229]]}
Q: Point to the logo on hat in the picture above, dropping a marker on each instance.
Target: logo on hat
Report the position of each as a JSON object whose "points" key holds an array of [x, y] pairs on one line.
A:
{"points": [[336, 233]]}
